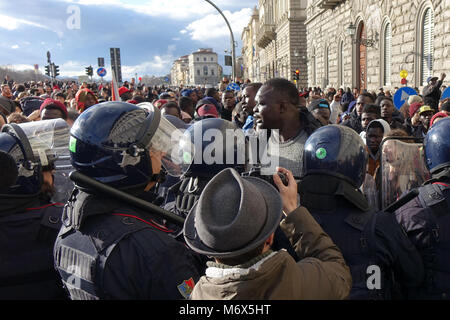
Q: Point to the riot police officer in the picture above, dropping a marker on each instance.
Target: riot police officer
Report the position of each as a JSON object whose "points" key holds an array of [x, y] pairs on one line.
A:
{"points": [[28, 223], [375, 247], [106, 248], [218, 144], [426, 218]]}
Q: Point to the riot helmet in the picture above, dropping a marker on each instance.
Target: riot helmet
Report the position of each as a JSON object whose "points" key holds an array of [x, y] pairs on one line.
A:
{"points": [[34, 146], [437, 147], [337, 151], [217, 144], [112, 141]]}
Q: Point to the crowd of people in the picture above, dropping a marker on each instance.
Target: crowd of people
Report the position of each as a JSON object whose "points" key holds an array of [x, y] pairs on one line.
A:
{"points": [[357, 207]]}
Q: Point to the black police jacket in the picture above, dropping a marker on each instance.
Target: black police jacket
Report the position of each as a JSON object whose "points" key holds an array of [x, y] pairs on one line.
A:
{"points": [[108, 250], [367, 239], [426, 219], [28, 229]]}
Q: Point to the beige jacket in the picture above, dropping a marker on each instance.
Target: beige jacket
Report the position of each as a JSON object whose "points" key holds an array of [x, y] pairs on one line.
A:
{"points": [[320, 274]]}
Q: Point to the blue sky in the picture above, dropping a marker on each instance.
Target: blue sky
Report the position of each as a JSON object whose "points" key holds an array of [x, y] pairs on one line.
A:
{"points": [[151, 34]]}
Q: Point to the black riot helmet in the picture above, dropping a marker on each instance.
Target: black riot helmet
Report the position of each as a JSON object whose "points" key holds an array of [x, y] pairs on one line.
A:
{"points": [[112, 141], [337, 151], [33, 145], [437, 148], [217, 144]]}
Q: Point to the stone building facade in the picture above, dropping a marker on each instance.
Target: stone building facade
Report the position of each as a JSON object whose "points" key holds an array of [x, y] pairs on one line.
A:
{"points": [[389, 36], [180, 71], [274, 41], [203, 68]]}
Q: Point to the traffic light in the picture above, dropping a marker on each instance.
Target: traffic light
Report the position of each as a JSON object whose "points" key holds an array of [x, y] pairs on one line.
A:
{"points": [[89, 71], [47, 70], [297, 74], [55, 71]]}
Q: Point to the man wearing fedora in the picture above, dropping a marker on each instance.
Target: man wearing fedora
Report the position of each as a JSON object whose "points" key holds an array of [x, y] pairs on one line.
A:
{"points": [[238, 231], [432, 92]]}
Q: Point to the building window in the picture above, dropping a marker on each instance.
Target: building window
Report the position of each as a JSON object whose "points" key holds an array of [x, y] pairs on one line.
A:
{"points": [[212, 72], [198, 59], [198, 72], [205, 70], [427, 45], [314, 69], [387, 45], [212, 58], [341, 63], [327, 67]]}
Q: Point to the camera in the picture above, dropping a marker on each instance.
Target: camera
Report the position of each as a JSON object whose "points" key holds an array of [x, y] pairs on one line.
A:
{"points": [[256, 172]]}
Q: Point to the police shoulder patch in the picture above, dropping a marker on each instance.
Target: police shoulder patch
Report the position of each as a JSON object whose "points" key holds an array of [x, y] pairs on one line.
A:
{"points": [[186, 288]]}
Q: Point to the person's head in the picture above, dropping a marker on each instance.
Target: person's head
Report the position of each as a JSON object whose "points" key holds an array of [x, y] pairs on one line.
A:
{"points": [[387, 108], [17, 118], [432, 80], [445, 107], [251, 212], [213, 92], [276, 101], [363, 98], [34, 147], [337, 151], [320, 109], [85, 99], [207, 110], [53, 109], [437, 117], [125, 93], [6, 91], [172, 109], [413, 99], [59, 96], [369, 112], [187, 105], [129, 147], [248, 97], [72, 115], [48, 90], [437, 149], [374, 135], [426, 113], [229, 100], [228, 152]]}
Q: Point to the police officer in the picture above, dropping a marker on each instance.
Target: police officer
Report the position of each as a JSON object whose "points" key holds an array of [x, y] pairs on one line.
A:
{"points": [[375, 247], [218, 144], [426, 218], [107, 249], [28, 223]]}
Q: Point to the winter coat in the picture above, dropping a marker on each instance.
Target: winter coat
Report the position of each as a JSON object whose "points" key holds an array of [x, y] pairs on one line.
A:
{"points": [[320, 274]]}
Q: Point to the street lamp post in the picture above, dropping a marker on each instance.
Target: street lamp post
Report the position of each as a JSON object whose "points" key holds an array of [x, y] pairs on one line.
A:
{"points": [[233, 56]]}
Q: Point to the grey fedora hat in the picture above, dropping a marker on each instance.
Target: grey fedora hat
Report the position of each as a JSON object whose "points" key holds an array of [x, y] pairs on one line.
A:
{"points": [[233, 215]]}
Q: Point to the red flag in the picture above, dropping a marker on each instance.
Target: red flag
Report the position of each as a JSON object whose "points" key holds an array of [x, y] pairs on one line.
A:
{"points": [[114, 88]]}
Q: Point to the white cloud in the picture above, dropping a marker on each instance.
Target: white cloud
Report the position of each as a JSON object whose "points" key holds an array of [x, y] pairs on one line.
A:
{"points": [[179, 9], [10, 23], [16, 46], [213, 26], [184, 31], [176, 39]]}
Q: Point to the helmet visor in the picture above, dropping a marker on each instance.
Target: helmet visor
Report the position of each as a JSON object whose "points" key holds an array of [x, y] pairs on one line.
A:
{"points": [[164, 146], [48, 139]]}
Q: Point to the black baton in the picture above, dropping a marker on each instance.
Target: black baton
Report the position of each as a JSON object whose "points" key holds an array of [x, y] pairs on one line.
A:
{"points": [[132, 200]]}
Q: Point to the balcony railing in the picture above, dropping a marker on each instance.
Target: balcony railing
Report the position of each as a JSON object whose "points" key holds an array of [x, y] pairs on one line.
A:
{"points": [[266, 35], [328, 4]]}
